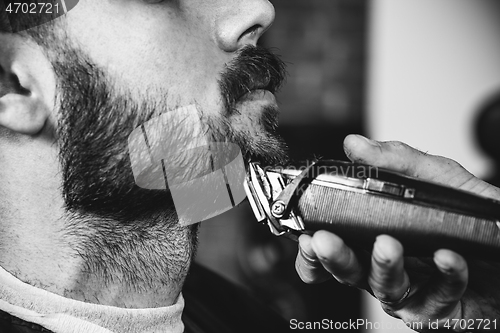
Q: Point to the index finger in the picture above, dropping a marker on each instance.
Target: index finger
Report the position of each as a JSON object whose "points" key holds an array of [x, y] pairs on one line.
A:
{"points": [[307, 264], [347, 266]]}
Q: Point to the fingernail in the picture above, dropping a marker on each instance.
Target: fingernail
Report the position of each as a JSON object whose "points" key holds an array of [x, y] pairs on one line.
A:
{"points": [[369, 141], [308, 259], [444, 267], [378, 254]]}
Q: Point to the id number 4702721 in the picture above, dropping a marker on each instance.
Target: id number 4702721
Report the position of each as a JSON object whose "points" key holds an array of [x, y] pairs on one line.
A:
{"points": [[471, 324], [32, 8]]}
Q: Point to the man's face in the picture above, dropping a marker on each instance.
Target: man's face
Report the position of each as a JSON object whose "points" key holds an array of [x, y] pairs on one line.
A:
{"points": [[178, 45], [125, 62]]}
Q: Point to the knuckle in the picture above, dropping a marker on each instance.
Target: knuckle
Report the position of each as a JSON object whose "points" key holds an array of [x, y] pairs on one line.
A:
{"points": [[398, 146], [449, 163]]}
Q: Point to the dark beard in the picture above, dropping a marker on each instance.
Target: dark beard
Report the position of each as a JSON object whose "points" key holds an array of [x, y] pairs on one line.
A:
{"points": [[93, 129], [127, 230], [125, 233], [96, 122]]}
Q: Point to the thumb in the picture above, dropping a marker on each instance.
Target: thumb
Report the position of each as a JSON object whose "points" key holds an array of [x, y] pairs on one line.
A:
{"points": [[393, 155], [402, 158]]}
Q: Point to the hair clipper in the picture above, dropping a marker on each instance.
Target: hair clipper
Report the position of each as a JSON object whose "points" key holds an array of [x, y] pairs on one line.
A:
{"points": [[358, 202]]}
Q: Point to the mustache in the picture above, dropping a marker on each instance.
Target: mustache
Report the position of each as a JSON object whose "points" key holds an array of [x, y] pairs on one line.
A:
{"points": [[254, 67]]}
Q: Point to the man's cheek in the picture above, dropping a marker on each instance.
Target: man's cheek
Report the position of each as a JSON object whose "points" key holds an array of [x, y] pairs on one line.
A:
{"points": [[174, 152]]}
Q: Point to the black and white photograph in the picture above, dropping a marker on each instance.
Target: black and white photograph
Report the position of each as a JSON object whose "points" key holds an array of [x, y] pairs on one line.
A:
{"points": [[242, 166]]}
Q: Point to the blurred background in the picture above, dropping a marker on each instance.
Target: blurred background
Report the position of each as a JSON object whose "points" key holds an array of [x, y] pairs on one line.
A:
{"points": [[425, 72]]}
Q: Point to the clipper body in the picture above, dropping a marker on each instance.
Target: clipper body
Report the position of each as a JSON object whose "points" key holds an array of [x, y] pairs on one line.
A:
{"points": [[359, 202]]}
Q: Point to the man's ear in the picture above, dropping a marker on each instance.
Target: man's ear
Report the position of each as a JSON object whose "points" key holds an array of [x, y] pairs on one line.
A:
{"points": [[27, 85]]}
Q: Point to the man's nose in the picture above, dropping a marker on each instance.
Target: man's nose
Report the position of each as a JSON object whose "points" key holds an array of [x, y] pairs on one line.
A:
{"points": [[242, 23]]}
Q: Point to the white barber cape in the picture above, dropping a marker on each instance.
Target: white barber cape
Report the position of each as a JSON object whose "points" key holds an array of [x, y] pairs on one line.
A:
{"points": [[64, 315]]}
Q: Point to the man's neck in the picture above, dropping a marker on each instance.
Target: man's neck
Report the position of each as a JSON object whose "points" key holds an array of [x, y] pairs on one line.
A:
{"points": [[133, 264], [95, 261]]}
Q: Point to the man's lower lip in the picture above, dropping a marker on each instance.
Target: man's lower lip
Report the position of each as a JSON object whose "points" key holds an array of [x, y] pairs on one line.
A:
{"points": [[258, 95]]}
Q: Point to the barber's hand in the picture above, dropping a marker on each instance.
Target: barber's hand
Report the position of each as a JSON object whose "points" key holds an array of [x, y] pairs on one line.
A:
{"points": [[461, 295]]}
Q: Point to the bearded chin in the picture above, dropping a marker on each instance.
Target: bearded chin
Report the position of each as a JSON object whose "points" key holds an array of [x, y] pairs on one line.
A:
{"points": [[267, 147]]}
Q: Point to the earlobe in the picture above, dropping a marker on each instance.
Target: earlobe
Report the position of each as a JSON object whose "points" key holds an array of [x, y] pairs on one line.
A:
{"points": [[26, 99]]}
